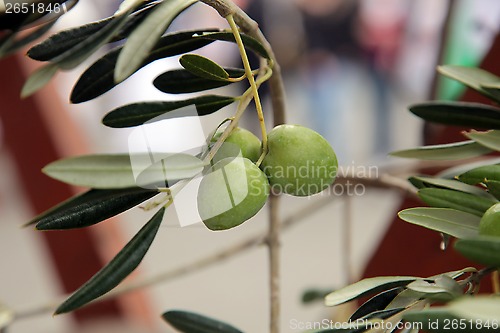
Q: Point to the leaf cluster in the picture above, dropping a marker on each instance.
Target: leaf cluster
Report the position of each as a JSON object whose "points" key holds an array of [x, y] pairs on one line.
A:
{"points": [[457, 199], [139, 28]]}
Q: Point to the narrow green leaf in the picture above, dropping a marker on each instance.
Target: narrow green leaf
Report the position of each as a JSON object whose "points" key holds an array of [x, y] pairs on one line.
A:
{"points": [[13, 44], [139, 113], [79, 200], [124, 263], [470, 115], [189, 322], [489, 139], [482, 308], [449, 221], [146, 35], [60, 42], [249, 42], [453, 172], [99, 77], [443, 198], [472, 77], [203, 67], [484, 250], [117, 171], [180, 81], [493, 188], [481, 174], [447, 282], [376, 303], [437, 290], [81, 51], [91, 207], [450, 151], [424, 182], [456, 274], [38, 79], [366, 287]]}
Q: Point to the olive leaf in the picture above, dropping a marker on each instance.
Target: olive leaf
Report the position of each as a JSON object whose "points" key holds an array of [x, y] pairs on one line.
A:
{"points": [[483, 249], [91, 207], [99, 77], [451, 184], [450, 151], [449, 221], [489, 139], [139, 113], [146, 35], [179, 81], [64, 40], [75, 55], [117, 171], [366, 287], [124, 263], [38, 79], [190, 322], [473, 77], [470, 115], [376, 303], [481, 174], [443, 198], [60, 42], [203, 67]]}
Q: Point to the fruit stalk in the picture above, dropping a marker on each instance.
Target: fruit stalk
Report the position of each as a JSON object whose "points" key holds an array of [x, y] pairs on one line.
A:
{"points": [[251, 28], [253, 86]]}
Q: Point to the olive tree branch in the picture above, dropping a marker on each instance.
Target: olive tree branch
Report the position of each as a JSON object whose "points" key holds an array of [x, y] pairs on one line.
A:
{"points": [[227, 9], [384, 181]]}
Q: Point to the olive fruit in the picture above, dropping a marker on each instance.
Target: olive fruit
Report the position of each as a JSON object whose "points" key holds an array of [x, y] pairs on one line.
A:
{"points": [[239, 141], [232, 191], [299, 161], [490, 222]]}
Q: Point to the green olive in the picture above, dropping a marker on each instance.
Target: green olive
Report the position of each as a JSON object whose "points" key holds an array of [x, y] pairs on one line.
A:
{"points": [[233, 191], [299, 161], [490, 222], [239, 141]]}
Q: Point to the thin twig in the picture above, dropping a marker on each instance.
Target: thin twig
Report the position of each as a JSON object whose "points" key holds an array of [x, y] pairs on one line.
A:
{"points": [[273, 243], [346, 242], [251, 28]]}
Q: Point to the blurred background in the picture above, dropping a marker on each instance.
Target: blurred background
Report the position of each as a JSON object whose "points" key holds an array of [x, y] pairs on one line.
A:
{"points": [[351, 68]]}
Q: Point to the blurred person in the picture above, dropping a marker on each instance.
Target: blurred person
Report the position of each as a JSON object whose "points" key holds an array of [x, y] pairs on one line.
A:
{"points": [[281, 23], [381, 28], [331, 62]]}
